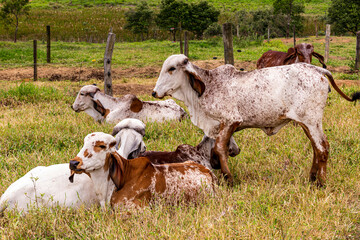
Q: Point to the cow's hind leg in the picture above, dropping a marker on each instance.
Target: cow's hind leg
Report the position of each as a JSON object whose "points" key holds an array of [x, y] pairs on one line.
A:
{"points": [[321, 151], [221, 149]]}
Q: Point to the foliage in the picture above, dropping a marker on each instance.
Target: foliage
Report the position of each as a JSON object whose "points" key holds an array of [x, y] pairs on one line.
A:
{"points": [[178, 15], [292, 10], [201, 16], [172, 16], [214, 29], [139, 20], [345, 15], [10, 12]]}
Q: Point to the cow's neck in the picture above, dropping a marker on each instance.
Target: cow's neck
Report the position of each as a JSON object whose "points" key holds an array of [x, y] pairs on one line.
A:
{"points": [[197, 115], [107, 101], [103, 186], [134, 170]]}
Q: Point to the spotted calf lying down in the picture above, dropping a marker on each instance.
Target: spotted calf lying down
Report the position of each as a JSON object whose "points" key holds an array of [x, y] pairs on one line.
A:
{"points": [[135, 182], [50, 186], [200, 154], [106, 108], [224, 100]]}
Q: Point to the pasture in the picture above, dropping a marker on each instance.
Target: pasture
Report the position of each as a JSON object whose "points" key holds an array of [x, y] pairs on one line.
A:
{"points": [[271, 197]]}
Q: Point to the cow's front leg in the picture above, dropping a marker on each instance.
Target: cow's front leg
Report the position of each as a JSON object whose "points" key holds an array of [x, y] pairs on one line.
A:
{"points": [[221, 148]]}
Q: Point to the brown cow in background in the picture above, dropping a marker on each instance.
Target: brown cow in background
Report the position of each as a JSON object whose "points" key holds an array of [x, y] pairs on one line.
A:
{"points": [[300, 53]]}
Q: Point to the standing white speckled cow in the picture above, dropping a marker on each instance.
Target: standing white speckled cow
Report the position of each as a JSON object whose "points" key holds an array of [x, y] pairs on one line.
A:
{"points": [[224, 100]]}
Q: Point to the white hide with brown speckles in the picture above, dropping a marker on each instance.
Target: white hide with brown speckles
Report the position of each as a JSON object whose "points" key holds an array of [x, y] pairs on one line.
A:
{"points": [[119, 108], [267, 98]]}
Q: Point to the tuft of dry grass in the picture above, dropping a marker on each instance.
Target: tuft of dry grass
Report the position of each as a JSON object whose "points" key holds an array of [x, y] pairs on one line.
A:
{"points": [[271, 199]]}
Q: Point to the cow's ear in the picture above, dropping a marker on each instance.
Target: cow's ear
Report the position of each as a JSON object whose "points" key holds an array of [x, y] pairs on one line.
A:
{"points": [[196, 83], [116, 168], [99, 107], [194, 79], [291, 56], [136, 105], [320, 57]]}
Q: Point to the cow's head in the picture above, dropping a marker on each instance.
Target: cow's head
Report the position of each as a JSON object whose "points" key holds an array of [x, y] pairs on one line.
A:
{"points": [[95, 154], [178, 75], [85, 98], [129, 135], [303, 53]]}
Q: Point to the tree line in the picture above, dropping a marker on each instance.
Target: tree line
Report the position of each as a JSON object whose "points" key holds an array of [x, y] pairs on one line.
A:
{"points": [[283, 18]]}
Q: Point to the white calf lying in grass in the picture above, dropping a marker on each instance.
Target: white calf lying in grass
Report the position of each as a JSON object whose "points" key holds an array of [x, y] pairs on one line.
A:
{"points": [[50, 186], [106, 108]]}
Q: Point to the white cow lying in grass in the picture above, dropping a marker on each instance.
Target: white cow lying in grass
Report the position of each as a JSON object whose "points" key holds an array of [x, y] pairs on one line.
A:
{"points": [[50, 186], [224, 100], [106, 108]]}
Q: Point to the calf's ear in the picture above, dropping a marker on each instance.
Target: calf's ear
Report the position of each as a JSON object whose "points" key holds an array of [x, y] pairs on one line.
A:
{"points": [[291, 56], [320, 57], [136, 105], [99, 107], [116, 168]]}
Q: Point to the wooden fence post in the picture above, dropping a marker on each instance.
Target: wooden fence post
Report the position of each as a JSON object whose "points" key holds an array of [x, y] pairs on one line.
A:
{"points": [[48, 59], [357, 61], [294, 29], [186, 44], [327, 42], [268, 35], [107, 63], [228, 43], [35, 60]]}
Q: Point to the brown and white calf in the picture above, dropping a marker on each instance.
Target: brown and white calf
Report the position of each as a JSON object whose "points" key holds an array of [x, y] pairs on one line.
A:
{"points": [[49, 186], [200, 154], [300, 53], [224, 100], [137, 181], [103, 107]]}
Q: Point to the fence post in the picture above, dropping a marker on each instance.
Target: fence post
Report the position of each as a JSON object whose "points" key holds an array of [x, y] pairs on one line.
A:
{"points": [[107, 63], [327, 42], [357, 61], [35, 60], [186, 44], [268, 35], [294, 29], [228, 43], [48, 59]]}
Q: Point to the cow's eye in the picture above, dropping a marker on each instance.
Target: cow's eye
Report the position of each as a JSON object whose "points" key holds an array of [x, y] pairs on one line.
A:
{"points": [[102, 146], [171, 69], [82, 94]]}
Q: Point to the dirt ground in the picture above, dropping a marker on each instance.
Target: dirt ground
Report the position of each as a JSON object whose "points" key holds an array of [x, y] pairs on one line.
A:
{"points": [[123, 86]]}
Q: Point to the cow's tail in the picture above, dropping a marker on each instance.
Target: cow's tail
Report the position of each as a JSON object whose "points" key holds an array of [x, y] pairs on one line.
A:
{"points": [[355, 96]]}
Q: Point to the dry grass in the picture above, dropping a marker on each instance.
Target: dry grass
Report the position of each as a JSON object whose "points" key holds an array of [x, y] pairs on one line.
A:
{"points": [[271, 199]]}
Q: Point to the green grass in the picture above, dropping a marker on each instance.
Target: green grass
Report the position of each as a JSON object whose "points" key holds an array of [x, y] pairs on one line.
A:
{"points": [[311, 7], [153, 53], [90, 20], [271, 197]]}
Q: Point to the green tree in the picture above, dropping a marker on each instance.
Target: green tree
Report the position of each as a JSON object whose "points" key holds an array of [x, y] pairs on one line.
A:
{"points": [[11, 11], [172, 15], [292, 10], [345, 15], [139, 21], [201, 16]]}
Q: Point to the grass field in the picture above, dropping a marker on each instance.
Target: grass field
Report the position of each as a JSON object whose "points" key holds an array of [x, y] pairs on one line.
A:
{"points": [[271, 197], [141, 54]]}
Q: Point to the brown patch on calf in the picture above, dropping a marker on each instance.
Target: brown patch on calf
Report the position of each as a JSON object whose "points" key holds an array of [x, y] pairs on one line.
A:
{"points": [[87, 154], [99, 146], [136, 105]]}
